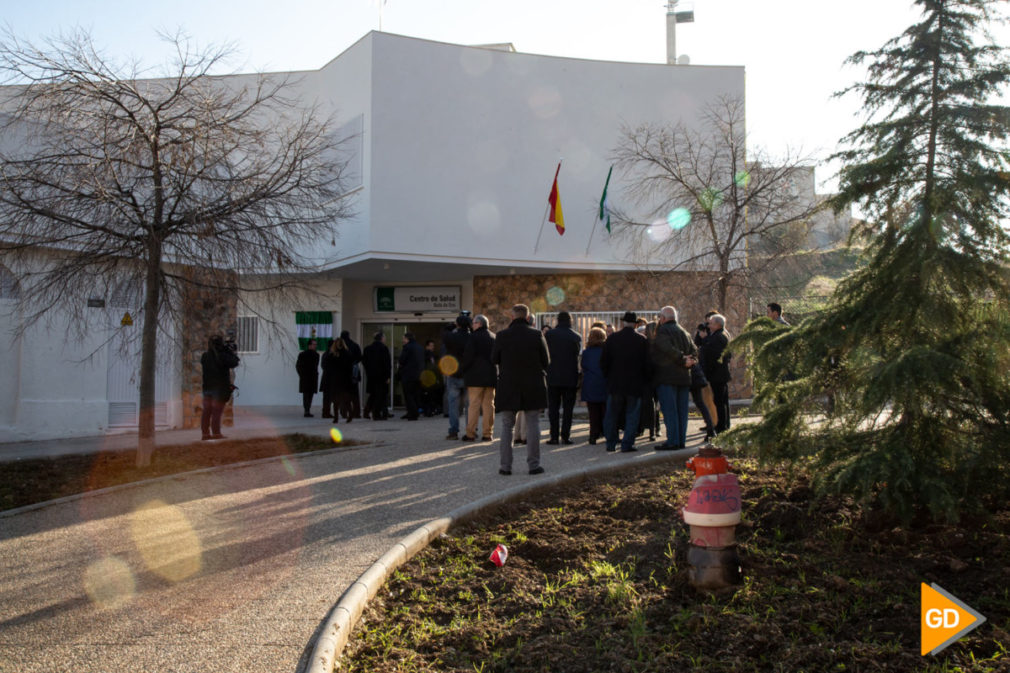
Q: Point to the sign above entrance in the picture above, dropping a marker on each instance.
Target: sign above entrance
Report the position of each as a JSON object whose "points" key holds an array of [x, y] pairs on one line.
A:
{"points": [[418, 299]]}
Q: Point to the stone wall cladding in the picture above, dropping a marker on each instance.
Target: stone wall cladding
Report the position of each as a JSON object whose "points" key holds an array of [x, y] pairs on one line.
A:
{"points": [[692, 293], [205, 311]]}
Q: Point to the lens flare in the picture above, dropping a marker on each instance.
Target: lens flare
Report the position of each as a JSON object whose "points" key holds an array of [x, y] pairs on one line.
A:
{"points": [[710, 199], [428, 378], [555, 296], [538, 305], [742, 179], [448, 365], [678, 218], [109, 583], [657, 233], [288, 467], [166, 541], [336, 436]]}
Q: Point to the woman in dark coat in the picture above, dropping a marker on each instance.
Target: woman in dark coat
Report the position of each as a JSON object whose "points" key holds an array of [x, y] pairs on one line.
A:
{"points": [[307, 366], [594, 386]]}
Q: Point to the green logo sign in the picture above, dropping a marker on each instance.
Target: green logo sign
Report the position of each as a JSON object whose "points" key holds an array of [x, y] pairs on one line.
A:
{"points": [[384, 299]]}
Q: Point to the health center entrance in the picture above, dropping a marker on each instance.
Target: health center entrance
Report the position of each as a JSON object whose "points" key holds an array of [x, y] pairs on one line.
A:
{"points": [[431, 329]]}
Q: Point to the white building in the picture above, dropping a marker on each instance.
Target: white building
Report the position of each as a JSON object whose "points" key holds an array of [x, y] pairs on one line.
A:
{"points": [[456, 150]]}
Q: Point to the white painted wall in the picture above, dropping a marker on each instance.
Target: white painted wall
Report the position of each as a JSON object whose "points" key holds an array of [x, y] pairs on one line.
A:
{"points": [[465, 142], [268, 377]]}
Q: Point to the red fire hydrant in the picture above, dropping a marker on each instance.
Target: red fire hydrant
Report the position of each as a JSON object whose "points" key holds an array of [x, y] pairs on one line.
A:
{"points": [[712, 513]]}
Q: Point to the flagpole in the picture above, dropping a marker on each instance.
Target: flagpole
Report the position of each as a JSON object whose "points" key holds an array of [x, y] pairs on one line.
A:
{"points": [[588, 245], [542, 223]]}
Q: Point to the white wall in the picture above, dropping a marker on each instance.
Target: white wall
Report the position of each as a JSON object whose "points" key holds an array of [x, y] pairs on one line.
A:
{"points": [[465, 142], [268, 377]]}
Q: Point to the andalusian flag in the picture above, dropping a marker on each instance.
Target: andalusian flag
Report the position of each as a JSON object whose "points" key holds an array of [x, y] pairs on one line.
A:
{"points": [[557, 217], [604, 206], [316, 325]]}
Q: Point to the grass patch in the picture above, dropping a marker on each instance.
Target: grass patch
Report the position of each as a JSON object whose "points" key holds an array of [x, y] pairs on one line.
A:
{"points": [[26, 482], [596, 580]]}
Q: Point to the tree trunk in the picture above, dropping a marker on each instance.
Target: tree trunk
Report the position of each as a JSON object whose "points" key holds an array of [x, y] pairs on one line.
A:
{"points": [[148, 359]]}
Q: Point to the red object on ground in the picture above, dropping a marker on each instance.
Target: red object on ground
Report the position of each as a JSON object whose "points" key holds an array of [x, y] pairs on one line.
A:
{"points": [[708, 461], [498, 556]]}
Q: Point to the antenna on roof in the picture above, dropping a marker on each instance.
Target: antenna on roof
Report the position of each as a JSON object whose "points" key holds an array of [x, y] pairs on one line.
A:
{"points": [[677, 11]]}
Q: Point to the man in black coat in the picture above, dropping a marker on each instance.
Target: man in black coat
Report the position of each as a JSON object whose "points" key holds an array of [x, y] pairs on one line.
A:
{"points": [[355, 350], [378, 364], [715, 363], [411, 366], [307, 366], [479, 376], [625, 365], [520, 352], [564, 345]]}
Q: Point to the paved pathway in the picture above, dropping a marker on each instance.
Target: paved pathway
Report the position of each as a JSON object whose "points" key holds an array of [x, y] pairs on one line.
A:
{"points": [[232, 570]]}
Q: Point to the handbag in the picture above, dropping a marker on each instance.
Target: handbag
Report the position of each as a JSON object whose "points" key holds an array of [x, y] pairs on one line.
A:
{"points": [[698, 379]]}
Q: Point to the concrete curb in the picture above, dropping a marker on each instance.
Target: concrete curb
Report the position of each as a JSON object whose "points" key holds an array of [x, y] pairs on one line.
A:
{"points": [[340, 621], [178, 475]]}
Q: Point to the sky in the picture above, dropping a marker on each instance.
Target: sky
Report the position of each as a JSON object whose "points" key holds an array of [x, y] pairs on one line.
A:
{"points": [[793, 50]]}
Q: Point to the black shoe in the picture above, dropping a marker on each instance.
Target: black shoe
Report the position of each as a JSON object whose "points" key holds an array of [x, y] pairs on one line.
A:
{"points": [[504, 473], [665, 447], [468, 438], [452, 435], [552, 442], [630, 449], [567, 442], [537, 470], [517, 442], [405, 417], [486, 439], [206, 438], [308, 415], [611, 449], [412, 418], [592, 441], [218, 436], [326, 416]]}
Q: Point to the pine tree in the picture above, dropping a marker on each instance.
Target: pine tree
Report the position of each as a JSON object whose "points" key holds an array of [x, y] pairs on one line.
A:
{"points": [[912, 354]]}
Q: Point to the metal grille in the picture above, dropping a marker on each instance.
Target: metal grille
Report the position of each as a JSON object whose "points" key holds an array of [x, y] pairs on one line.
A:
{"points": [[582, 321], [247, 334]]}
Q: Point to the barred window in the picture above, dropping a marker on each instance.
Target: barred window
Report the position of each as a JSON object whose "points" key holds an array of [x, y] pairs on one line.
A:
{"points": [[247, 336]]}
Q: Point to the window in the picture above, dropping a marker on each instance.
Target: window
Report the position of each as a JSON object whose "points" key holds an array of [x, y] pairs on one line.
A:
{"points": [[247, 336]]}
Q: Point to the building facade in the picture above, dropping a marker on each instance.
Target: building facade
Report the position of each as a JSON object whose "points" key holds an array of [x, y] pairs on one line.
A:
{"points": [[452, 152]]}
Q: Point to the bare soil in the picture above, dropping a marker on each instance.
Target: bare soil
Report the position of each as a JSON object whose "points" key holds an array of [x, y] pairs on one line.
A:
{"points": [[596, 580]]}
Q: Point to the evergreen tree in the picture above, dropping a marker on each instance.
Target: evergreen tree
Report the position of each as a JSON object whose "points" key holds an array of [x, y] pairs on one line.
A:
{"points": [[912, 354]]}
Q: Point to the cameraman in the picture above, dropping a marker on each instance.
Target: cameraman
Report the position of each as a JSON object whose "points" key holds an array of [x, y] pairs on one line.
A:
{"points": [[455, 345], [217, 364]]}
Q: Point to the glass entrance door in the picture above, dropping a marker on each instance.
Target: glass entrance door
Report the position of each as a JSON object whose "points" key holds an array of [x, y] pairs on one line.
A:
{"points": [[423, 332]]}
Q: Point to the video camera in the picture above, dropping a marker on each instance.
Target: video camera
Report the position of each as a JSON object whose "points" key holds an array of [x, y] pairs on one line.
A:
{"points": [[229, 341]]}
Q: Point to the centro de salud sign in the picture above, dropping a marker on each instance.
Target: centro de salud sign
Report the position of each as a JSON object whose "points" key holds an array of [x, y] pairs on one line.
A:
{"points": [[418, 299]]}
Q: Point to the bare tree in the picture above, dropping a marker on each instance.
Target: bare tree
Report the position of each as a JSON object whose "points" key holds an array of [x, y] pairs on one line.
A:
{"points": [[172, 180], [707, 203]]}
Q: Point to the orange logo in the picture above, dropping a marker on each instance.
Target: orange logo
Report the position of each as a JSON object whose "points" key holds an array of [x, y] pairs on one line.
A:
{"points": [[944, 619]]}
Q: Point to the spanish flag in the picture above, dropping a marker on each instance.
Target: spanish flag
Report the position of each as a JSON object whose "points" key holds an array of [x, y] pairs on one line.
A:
{"points": [[557, 217]]}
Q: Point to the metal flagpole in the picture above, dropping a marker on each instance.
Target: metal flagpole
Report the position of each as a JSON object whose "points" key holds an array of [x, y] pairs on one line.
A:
{"points": [[588, 245], [542, 223]]}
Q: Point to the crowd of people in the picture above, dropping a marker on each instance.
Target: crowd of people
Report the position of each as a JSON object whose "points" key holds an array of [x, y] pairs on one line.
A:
{"points": [[629, 376]]}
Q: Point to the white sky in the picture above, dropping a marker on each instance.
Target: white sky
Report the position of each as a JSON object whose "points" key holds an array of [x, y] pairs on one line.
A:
{"points": [[793, 50]]}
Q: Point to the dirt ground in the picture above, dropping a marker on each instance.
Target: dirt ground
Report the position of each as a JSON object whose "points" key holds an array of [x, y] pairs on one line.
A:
{"points": [[596, 580]]}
